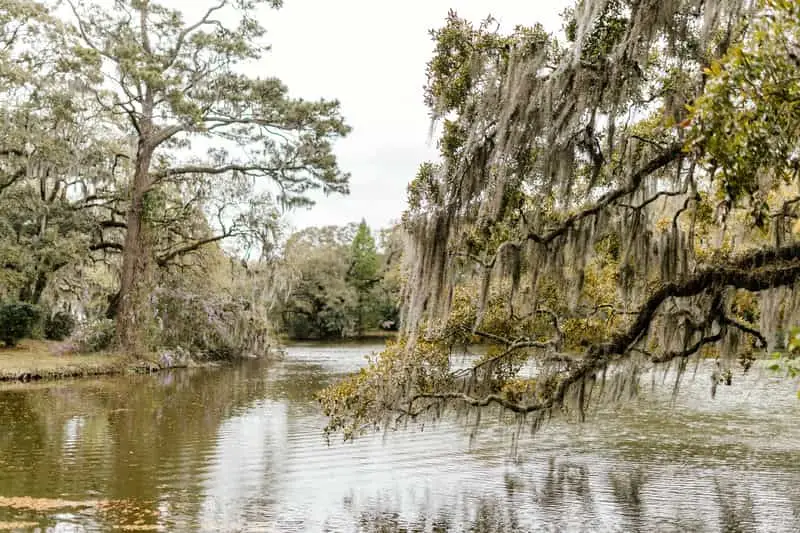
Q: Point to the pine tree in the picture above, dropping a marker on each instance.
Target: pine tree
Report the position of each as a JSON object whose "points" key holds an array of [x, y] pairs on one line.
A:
{"points": [[363, 273]]}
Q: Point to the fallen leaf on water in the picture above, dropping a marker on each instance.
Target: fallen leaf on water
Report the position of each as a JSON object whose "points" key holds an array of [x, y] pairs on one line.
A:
{"points": [[45, 504]]}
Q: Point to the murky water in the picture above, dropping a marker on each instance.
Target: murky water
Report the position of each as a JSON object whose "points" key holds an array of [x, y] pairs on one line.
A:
{"points": [[241, 449]]}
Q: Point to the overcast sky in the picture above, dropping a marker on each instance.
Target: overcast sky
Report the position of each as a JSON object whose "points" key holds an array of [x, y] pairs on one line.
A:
{"points": [[371, 55]]}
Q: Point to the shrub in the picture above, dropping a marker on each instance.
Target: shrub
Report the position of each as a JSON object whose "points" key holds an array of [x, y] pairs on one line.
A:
{"points": [[59, 326], [17, 320], [217, 327], [95, 336]]}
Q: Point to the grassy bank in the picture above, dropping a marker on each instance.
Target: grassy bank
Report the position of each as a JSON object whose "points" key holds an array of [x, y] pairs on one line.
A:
{"points": [[35, 359]]}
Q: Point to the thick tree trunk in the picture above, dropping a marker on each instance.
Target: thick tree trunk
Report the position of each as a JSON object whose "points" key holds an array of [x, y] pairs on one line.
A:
{"points": [[39, 287], [113, 306], [134, 314], [26, 293], [32, 291]]}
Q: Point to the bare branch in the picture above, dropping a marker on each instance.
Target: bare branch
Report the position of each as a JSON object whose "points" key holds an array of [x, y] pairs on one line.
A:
{"points": [[661, 194], [84, 34], [479, 402], [113, 224], [19, 174], [658, 145], [669, 356], [188, 30]]}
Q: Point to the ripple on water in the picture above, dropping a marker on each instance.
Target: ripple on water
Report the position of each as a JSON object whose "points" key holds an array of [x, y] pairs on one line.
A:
{"points": [[241, 448]]}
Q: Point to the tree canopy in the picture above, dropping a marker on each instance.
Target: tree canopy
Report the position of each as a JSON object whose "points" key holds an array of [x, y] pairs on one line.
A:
{"points": [[614, 197], [136, 136], [342, 285]]}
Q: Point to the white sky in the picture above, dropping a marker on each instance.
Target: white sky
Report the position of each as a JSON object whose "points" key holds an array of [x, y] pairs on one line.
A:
{"points": [[371, 55]]}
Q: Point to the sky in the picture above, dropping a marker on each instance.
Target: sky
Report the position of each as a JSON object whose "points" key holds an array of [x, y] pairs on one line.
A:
{"points": [[371, 56]]}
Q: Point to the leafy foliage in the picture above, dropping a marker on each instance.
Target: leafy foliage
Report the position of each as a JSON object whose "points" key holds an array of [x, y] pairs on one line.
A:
{"points": [[17, 320], [132, 142], [353, 405], [95, 335], [59, 326], [340, 288], [219, 310], [618, 197], [363, 276], [748, 121], [364, 263]]}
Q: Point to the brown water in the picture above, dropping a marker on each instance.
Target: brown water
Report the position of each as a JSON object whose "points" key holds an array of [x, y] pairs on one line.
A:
{"points": [[241, 449]]}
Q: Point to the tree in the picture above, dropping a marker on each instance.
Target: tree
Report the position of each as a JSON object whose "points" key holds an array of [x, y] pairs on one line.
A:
{"points": [[55, 155], [320, 302], [613, 199], [180, 88], [338, 282], [391, 276], [363, 274]]}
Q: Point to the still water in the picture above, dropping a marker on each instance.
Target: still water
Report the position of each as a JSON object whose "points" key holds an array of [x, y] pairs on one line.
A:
{"points": [[241, 449]]}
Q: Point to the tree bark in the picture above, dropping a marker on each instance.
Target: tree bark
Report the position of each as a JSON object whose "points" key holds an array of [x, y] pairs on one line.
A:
{"points": [[134, 314], [32, 291], [113, 306], [38, 287]]}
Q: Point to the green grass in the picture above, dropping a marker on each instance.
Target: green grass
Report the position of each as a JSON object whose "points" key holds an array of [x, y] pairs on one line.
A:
{"points": [[36, 359]]}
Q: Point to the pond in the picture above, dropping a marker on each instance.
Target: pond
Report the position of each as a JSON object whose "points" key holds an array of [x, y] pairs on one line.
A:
{"points": [[241, 448]]}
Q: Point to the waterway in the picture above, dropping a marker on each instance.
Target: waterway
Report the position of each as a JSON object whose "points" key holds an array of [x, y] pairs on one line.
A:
{"points": [[241, 448]]}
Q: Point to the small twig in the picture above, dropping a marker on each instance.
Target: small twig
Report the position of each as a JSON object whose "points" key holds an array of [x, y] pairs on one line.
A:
{"points": [[669, 356], [653, 199]]}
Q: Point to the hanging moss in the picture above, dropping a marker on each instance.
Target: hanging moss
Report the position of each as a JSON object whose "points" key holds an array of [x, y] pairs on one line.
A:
{"points": [[577, 198]]}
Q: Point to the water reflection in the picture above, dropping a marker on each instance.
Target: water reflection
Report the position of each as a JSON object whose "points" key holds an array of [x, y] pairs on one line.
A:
{"points": [[735, 512], [241, 449]]}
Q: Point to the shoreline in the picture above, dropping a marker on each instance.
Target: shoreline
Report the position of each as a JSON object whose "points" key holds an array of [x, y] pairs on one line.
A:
{"points": [[35, 360], [367, 337]]}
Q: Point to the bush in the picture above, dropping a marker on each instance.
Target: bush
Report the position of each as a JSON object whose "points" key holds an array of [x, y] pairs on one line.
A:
{"points": [[95, 336], [215, 327], [59, 326], [17, 321]]}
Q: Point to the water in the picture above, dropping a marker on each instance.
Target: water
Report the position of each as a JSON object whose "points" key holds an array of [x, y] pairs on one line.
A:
{"points": [[241, 449]]}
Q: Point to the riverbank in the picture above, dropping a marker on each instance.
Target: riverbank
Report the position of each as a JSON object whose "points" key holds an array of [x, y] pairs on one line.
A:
{"points": [[37, 359], [376, 335], [33, 359]]}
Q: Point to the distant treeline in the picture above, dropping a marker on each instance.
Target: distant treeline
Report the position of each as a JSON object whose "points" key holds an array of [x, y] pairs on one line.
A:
{"points": [[343, 283]]}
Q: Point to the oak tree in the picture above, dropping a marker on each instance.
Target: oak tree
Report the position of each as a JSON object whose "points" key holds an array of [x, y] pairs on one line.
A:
{"points": [[612, 198]]}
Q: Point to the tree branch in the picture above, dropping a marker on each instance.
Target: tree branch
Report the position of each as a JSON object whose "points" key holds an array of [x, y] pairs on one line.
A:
{"points": [[13, 179], [669, 356], [112, 224], [166, 258], [741, 326], [202, 169], [478, 402], [653, 198], [106, 246], [188, 30], [598, 356], [672, 153]]}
